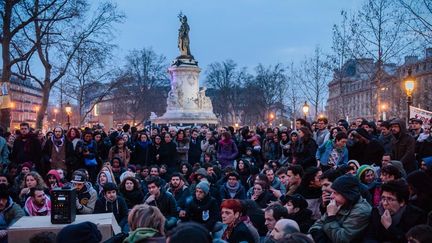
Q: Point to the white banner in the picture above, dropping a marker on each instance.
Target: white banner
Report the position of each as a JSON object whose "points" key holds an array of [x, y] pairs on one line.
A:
{"points": [[423, 115]]}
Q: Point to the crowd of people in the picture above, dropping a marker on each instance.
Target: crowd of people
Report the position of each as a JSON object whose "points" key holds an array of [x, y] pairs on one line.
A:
{"points": [[363, 181]]}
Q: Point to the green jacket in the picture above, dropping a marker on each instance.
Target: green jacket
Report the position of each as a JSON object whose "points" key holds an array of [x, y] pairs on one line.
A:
{"points": [[144, 235], [347, 225]]}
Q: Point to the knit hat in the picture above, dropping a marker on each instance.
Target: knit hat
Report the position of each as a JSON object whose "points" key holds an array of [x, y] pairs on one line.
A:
{"points": [[202, 172], [362, 132], [132, 168], [399, 165], [109, 186], [203, 185], [82, 232], [428, 161], [353, 161], [348, 186], [362, 169], [79, 177], [27, 165], [297, 200]]}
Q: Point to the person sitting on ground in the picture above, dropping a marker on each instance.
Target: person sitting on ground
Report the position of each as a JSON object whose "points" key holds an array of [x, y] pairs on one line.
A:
{"points": [[297, 210], [284, 227], [147, 224], [179, 189], [10, 212], [113, 203], [37, 204], [82, 232], [233, 189], [131, 191], [272, 214], [420, 234], [203, 208], [395, 215], [347, 213], [193, 232], [236, 230], [86, 196], [166, 203]]}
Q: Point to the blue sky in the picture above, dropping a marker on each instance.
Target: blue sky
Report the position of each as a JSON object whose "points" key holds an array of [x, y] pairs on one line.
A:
{"points": [[247, 31]]}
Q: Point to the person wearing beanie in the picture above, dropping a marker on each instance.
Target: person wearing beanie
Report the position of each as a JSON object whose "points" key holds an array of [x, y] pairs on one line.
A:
{"points": [[77, 233], [298, 211], [367, 176], [86, 195], [347, 214], [104, 176], [395, 215], [111, 202], [203, 208]]}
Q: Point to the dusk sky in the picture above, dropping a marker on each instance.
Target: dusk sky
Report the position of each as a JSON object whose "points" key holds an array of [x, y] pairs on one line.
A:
{"points": [[246, 31]]}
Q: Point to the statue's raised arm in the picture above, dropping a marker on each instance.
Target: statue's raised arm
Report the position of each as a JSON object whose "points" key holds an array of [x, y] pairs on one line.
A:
{"points": [[183, 38]]}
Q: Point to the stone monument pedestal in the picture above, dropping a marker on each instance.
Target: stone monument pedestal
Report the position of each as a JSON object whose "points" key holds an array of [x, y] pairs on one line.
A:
{"points": [[187, 103]]}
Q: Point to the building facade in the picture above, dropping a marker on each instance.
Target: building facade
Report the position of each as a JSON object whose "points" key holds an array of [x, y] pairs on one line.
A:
{"points": [[362, 89]]}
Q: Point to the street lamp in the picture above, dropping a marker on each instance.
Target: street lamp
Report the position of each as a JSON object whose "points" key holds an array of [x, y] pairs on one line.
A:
{"points": [[409, 88], [68, 109], [305, 109], [383, 108]]}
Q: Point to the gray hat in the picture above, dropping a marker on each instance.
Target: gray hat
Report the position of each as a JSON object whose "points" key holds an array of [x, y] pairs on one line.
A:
{"points": [[202, 172], [203, 185]]}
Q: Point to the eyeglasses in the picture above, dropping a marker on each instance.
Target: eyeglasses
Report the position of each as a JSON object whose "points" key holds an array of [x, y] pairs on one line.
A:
{"points": [[388, 199]]}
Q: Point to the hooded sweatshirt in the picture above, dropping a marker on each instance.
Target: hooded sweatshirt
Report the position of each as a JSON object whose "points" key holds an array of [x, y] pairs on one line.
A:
{"points": [[86, 198], [118, 207], [59, 184], [144, 235], [403, 147]]}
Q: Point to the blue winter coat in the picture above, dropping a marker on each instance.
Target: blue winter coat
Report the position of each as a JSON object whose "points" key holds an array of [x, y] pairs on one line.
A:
{"points": [[323, 154]]}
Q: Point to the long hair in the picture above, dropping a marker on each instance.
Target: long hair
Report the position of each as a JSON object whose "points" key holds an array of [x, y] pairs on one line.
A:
{"points": [[77, 132], [307, 133], [145, 216], [38, 178], [133, 180]]}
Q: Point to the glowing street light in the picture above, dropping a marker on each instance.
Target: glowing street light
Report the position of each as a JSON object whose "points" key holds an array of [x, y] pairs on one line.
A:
{"points": [[68, 109], [409, 83], [305, 109]]}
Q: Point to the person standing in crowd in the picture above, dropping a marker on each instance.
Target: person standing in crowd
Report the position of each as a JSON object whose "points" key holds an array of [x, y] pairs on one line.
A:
{"points": [[155, 150], [306, 149], [403, 148], [168, 154], [120, 150], [4, 151], [236, 230], [194, 153], [58, 152], [86, 196], [322, 134], [347, 214], [89, 155], [333, 153], [386, 137], [227, 150], [142, 152], [27, 148], [182, 143]]}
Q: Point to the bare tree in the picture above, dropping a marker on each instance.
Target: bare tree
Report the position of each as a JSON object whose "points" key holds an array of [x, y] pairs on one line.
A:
{"points": [[272, 84], [144, 86], [226, 80], [420, 20], [293, 93], [89, 79], [314, 74], [58, 35], [16, 15]]}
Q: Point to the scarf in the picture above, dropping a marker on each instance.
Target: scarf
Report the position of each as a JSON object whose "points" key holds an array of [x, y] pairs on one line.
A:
{"points": [[225, 142], [175, 190], [144, 145], [227, 233], [233, 189], [35, 210], [57, 142]]}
